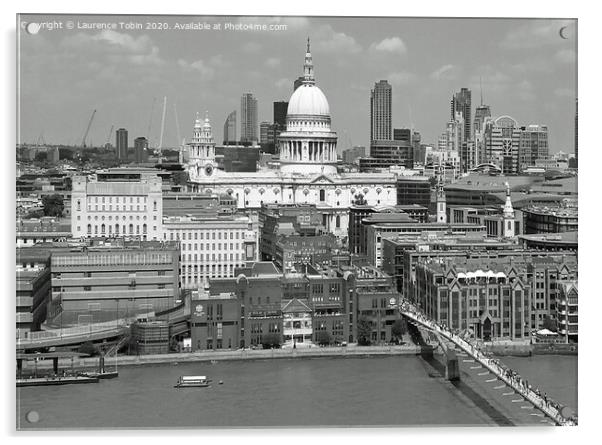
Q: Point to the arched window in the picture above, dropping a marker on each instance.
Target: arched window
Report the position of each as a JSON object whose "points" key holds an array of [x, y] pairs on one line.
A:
{"points": [[338, 221], [143, 228], [89, 229], [79, 205], [155, 206], [322, 195], [131, 229], [102, 228]]}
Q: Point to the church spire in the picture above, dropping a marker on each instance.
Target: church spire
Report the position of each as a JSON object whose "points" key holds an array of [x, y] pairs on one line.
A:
{"points": [[308, 67], [508, 209]]}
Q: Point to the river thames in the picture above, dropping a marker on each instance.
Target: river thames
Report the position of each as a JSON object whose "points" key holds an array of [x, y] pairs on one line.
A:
{"points": [[371, 391]]}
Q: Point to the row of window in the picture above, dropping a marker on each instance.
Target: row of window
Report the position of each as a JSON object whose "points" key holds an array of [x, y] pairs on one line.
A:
{"points": [[205, 235], [205, 257], [109, 229], [123, 217], [89, 205], [209, 246]]}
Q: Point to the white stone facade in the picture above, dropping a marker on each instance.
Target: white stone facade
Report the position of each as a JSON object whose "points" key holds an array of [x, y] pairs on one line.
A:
{"points": [[117, 208], [211, 247]]}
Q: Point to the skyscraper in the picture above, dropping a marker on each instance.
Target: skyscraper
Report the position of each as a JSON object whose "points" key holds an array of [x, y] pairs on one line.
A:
{"points": [[380, 112], [248, 118], [533, 145], [461, 103], [121, 144], [576, 135], [280, 113], [140, 147], [230, 129]]}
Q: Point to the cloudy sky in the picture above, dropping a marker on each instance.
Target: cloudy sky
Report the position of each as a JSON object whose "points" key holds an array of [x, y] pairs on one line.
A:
{"points": [[528, 72]]}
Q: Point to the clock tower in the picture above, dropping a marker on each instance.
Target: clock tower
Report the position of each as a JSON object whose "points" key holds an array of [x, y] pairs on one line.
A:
{"points": [[201, 149]]}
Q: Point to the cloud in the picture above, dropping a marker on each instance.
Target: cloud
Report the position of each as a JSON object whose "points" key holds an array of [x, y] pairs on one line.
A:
{"points": [[401, 78], [390, 45], [330, 41], [566, 56], [272, 62], [565, 92], [199, 65], [525, 91], [536, 33], [284, 83], [251, 47], [116, 47], [446, 72]]}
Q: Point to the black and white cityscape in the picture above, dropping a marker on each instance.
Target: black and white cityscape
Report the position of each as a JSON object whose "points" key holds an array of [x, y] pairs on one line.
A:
{"points": [[227, 222]]}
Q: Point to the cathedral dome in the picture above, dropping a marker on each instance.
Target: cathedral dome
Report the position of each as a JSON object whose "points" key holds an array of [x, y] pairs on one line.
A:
{"points": [[308, 99]]}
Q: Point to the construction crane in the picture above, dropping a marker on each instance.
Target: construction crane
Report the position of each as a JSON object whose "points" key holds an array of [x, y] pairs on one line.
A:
{"points": [[160, 147], [109, 136], [88, 129], [150, 122], [175, 110]]}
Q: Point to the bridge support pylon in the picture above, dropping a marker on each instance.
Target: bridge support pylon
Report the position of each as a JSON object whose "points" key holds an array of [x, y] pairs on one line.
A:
{"points": [[452, 367]]}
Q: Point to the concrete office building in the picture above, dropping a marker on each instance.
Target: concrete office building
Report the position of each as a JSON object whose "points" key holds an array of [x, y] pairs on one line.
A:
{"points": [[121, 144], [248, 118], [533, 145], [279, 116], [32, 292], [381, 112], [141, 149], [109, 279]]}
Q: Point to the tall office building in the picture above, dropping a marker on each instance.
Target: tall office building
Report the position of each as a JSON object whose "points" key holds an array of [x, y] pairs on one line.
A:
{"points": [[501, 143], [280, 109], [121, 143], [140, 147], [230, 129], [380, 112], [533, 145], [266, 132], [248, 118], [576, 136], [461, 103]]}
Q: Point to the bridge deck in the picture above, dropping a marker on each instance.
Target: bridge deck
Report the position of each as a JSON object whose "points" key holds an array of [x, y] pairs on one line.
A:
{"points": [[537, 401]]}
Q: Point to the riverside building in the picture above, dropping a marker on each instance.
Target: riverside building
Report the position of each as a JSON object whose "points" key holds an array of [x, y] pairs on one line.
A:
{"points": [[104, 280], [117, 202], [211, 246]]}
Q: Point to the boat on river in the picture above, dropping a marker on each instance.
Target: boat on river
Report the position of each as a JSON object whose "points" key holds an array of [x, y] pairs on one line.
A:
{"points": [[193, 381]]}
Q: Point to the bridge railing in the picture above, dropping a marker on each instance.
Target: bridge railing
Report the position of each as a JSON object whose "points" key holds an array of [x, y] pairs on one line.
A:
{"points": [[505, 374], [75, 331]]}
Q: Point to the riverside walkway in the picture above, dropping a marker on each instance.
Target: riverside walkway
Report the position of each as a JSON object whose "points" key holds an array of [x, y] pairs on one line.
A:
{"points": [[510, 378]]}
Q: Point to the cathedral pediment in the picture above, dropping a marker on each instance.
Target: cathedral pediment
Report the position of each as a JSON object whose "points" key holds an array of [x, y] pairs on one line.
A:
{"points": [[322, 179]]}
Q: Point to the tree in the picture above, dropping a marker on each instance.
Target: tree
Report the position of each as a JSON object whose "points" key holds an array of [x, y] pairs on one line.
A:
{"points": [[53, 205], [323, 338], [399, 328], [34, 214], [180, 178], [271, 340], [550, 324], [364, 330], [88, 348]]}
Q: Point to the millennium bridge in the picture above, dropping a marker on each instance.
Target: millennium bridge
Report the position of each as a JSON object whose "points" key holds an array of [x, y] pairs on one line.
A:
{"points": [[500, 372]]}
